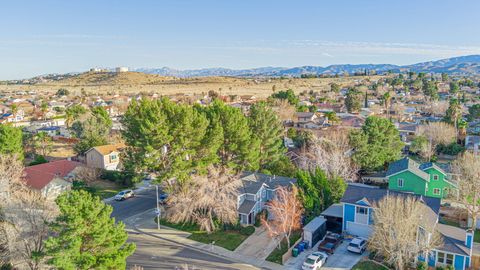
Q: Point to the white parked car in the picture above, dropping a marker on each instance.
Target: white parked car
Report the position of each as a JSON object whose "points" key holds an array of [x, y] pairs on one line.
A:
{"points": [[315, 261], [357, 245], [123, 195]]}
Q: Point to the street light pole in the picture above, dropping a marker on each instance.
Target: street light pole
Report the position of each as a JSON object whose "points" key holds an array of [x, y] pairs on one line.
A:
{"points": [[158, 210]]}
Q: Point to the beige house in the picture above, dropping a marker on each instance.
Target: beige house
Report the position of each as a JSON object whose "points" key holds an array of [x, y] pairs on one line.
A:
{"points": [[51, 178], [106, 157]]}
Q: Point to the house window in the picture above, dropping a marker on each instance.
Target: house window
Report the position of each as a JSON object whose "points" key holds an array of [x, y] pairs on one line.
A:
{"points": [[400, 182], [445, 258], [264, 193], [435, 177], [113, 157], [436, 191], [362, 210]]}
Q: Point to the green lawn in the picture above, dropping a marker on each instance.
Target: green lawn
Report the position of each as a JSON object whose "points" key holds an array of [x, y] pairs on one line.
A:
{"points": [[368, 265], [105, 189], [229, 239], [276, 255]]}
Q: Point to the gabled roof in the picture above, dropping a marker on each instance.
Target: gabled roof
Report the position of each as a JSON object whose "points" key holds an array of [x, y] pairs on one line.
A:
{"points": [[453, 239], [39, 176], [246, 207], [305, 114], [358, 192], [252, 182], [107, 149], [406, 164], [428, 165]]}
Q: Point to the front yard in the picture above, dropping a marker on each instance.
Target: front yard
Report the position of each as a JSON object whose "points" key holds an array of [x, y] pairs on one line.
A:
{"points": [[369, 265], [229, 239], [276, 255], [105, 189]]}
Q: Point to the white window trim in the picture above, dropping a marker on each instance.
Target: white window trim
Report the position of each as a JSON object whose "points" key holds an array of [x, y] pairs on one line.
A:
{"points": [[400, 180], [445, 258]]}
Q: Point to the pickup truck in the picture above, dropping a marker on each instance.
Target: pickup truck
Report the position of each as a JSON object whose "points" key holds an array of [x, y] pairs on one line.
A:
{"points": [[330, 242]]}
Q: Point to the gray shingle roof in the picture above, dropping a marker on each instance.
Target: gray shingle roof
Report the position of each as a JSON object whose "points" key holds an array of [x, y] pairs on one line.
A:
{"points": [[355, 193], [429, 165], [407, 164], [246, 207], [252, 182], [453, 239]]}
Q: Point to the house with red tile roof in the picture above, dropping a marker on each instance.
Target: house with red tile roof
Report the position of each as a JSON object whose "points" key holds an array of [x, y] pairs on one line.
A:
{"points": [[51, 178]]}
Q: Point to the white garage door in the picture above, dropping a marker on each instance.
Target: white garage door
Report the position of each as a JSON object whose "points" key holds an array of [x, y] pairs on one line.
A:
{"points": [[358, 229]]}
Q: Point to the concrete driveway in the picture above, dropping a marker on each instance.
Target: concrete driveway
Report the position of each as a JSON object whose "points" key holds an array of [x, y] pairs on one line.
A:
{"points": [[341, 259], [258, 245]]}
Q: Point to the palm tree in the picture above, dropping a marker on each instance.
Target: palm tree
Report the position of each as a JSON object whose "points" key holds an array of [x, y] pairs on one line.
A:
{"points": [[43, 143], [69, 117], [44, 109], [14, 109], [387, 98]]}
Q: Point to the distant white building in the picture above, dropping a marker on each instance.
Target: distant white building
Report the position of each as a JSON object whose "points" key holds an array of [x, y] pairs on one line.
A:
{"points": [[121, 69]]}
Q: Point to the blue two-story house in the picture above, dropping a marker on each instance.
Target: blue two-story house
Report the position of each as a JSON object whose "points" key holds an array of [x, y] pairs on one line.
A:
{"points": [[357, 219], [256, 190]]}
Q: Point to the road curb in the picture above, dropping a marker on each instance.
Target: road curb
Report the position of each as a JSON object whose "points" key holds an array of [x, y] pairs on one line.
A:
{"points": [[135, 228]]}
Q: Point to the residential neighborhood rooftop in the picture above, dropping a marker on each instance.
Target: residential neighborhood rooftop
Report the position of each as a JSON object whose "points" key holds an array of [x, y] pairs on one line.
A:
{"points": [[38, 176]]}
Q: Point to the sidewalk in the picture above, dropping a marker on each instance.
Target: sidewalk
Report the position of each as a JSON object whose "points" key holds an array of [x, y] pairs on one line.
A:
{"points": [[144, 223]]}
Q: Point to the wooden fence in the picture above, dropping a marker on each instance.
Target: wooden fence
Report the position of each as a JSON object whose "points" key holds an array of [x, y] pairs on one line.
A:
{"points": [[288, 254]]}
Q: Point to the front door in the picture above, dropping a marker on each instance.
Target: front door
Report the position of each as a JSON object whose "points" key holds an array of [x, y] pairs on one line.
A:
{"points": [[250, 218]]}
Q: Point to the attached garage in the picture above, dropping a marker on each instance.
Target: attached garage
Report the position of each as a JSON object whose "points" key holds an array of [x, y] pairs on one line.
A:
{"points": [[358, 229], [334, 217]]}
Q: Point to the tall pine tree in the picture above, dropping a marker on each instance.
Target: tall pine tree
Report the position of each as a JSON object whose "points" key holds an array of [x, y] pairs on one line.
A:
{"points": [[85, 236], [165, 137], [11, 141], [238, 149], [268, 130]]}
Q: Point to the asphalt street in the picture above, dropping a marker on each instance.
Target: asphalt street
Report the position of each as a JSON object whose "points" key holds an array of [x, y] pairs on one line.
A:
{"points": [[142, 202], [156, 253]]}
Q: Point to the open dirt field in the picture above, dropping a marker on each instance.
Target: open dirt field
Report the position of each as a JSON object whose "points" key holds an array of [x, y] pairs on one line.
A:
{"points": [[134, 82]]}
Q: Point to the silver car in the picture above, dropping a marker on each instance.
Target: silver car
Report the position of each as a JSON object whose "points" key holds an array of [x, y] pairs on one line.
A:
{"points": [[123, 195]]}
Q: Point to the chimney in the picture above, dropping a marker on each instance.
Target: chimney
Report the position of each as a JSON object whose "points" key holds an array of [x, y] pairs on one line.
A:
{"points": [[469, 238]]}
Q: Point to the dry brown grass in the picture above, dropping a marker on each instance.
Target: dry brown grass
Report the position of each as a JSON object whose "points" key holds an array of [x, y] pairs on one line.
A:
{"points": [[135, 82]]}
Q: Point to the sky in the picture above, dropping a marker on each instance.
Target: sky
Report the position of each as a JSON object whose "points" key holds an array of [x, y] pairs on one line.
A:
{"points": [[42, 37]]}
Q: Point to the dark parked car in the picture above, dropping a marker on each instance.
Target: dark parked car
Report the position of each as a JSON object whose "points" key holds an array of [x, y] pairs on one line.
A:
{"points": [[163, 198]]}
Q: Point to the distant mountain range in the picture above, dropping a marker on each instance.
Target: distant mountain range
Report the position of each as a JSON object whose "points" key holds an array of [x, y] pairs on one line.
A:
{"points": [[463, 65]]}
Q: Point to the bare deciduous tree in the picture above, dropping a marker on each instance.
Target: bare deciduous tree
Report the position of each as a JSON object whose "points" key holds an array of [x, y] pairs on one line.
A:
{"points": [[285, 111], [330, 153], [25, 217], [205, 198], [438, 132], [286, 212], [88, 175], [430, 136], [466, 170], [400, 238], [437, 108]]}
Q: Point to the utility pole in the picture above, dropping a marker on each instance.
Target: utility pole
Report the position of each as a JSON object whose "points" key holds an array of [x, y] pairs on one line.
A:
{"points": [[158, 210]]}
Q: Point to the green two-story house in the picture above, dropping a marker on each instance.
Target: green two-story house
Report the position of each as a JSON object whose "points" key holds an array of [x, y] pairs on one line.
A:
{"points": [[427, 179]]}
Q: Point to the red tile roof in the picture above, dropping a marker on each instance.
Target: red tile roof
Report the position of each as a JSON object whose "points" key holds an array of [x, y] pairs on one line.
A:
{"points": [[38, 176]]}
